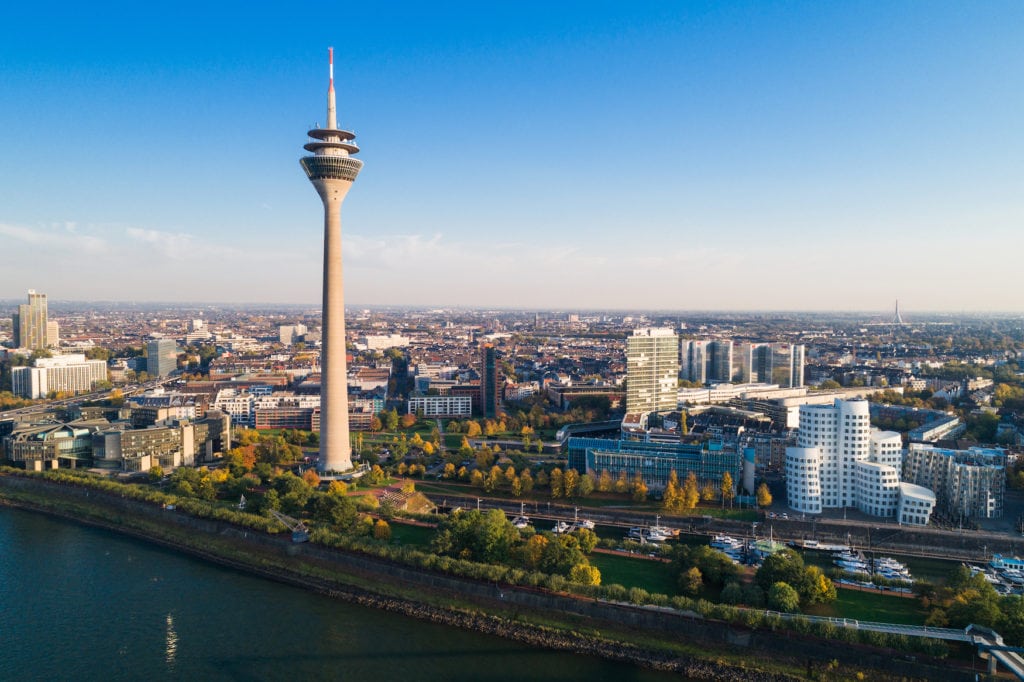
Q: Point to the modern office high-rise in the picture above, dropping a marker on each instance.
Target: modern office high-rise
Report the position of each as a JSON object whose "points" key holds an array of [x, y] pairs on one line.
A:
{"points": [[332, 170], [652, 371], [161, 357], [771, 363], [489, 388], [30, 322]]}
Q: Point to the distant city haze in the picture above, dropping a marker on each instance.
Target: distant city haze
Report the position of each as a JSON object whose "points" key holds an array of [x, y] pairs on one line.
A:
{"points": [[575, 155]]}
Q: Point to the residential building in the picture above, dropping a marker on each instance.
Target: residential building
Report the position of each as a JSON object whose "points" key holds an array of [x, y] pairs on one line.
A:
{"points": [[652, 371], [433, 406]]}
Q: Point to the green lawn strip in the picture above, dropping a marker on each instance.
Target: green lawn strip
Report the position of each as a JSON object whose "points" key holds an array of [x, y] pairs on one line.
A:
{"points": [[873, 607], [653, 576], [405, 534]]}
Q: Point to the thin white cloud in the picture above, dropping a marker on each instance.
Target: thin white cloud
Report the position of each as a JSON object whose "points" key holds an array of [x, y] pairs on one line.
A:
{"points": [[63, 237]]}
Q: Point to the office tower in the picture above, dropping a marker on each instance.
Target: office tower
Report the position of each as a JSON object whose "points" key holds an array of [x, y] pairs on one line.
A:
{"points": [[771, 363], [719, 359], [52, 334], [332, 170], [30, 322], [694, 361], [161, 357], [652, 371], [489, 388]]}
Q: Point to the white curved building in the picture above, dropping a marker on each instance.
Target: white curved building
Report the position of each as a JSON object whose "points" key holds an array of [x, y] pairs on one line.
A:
{"points": [[803, 479], [877, 488], [916, 504], [840, 461]]}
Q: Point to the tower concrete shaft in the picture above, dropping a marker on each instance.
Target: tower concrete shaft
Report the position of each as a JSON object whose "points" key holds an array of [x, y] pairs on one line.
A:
{"points": [[332, 171]]}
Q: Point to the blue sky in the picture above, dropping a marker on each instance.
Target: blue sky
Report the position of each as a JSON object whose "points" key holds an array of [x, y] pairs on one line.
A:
{"points": [[674, 155]]}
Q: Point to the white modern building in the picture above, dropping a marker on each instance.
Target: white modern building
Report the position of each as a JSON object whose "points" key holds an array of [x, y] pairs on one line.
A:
{"points": [[70, 373], [382, 342], [916, 505], [652, 370], [432, 406], [841, 461]]}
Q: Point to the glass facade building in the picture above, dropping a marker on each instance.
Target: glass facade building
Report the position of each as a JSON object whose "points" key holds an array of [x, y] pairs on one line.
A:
{"points": [[654, 461]]}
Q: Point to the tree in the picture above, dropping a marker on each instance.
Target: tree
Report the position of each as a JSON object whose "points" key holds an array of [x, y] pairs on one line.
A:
{"points": [[782, 597], [337, 488], [585, 485], [449, 471], [691, 581], [817, 587], [381, 530], [639, 488], [622, 483], [510, 475], [408, 420], [555, 483], [526, 480], [311, 478], [542, 478], [786, 566], [390, 419], [604, 482], [732, 593], [472, 429], [672, 498], [585, 574], [728, 493], [691, 495], [155, 474], [516, 487], [336, 510], [707, 492], [764, 496], [375, 423], [570, 482], [476, 479]]}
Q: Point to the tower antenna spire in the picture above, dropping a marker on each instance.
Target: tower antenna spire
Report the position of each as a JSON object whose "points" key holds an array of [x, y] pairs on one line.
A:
{"points": [[332, 114]]}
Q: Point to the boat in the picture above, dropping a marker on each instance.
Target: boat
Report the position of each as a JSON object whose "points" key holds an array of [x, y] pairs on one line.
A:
{"points": [[663, 532], [522, 521], [725, 542], [561, 527], [585, 523]]}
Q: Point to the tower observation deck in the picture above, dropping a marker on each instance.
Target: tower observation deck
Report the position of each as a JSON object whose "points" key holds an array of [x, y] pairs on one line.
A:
{"points": [[332, 170]]}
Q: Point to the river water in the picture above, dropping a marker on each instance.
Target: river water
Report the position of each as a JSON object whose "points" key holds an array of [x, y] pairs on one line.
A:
{"points": [[78, 603]]}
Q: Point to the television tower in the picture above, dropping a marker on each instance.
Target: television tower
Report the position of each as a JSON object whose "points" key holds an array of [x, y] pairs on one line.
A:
{"points": [[332, 170], [897, 318]]}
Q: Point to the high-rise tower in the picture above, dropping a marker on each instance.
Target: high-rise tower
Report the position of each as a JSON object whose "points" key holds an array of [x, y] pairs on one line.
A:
{"points": [[30, 322], [332, 170]]}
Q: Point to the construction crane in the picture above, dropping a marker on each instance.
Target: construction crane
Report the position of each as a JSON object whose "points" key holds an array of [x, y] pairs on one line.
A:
{"points": [[299, 531]]}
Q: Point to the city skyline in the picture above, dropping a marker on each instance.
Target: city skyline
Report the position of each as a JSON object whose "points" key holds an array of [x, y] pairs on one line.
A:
{"points": [[763, 157]]}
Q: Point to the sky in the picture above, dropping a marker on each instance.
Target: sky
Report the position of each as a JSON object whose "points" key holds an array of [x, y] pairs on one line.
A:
{"points": [[536, 155]]}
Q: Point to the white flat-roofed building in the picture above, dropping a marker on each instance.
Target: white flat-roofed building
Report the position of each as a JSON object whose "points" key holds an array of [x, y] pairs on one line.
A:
{"points": [[432, 406], [70, 373], [382, 341]]}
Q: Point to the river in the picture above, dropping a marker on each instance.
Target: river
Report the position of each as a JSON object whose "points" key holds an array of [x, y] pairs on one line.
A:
{"points": [[79, 603]]}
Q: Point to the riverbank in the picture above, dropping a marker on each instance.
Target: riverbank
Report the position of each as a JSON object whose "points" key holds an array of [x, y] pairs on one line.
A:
{"points": [[533, 618]]}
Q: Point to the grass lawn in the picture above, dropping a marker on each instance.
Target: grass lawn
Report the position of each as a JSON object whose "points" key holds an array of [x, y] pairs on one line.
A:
{"points": [[419, 536], [653, 576], [870, 606]]}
